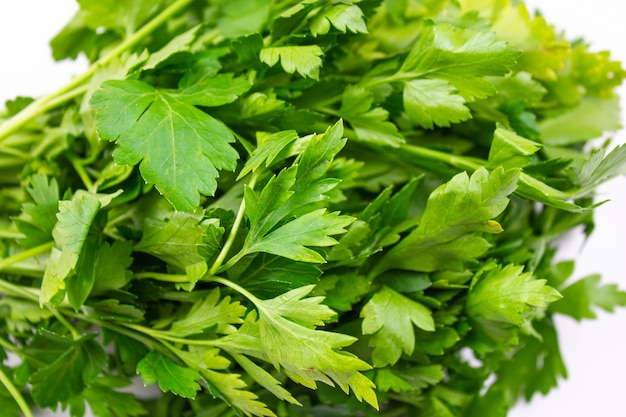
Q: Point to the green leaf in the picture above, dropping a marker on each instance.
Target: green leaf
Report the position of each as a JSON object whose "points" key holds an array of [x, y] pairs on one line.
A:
{"points": [[269, 275], [39, 217], [390, 316], [112, 267], [180, 147], [265, 379], [455, 211], [76, 234], [179, 242], [588, 120], [210, 90], [344, 17], [270, 145], [508, 294], [597, 169], [304, 354], [370, 123], [178, 44], [208, 313], [104, 401], [460, 56], [171, 377], [243, 17], [580, 297], [75, 368], [126, 17], [294, 193], [434, 102], [231, 388], [302, 59], [510, 150], [311, 229], [535, 367]]}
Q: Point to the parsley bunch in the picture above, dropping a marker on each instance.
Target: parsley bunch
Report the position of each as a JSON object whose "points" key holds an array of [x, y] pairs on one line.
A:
{"points": [[301, 208]]}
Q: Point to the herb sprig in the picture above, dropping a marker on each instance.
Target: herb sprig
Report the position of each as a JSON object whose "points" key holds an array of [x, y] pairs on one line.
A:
{"points": [[301, 208]]}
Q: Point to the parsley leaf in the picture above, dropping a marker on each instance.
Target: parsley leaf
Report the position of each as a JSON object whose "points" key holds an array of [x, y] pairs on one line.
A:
{"points": [[390, 317], [507, 294], [445, 236], [180, 148], [156, 367]]}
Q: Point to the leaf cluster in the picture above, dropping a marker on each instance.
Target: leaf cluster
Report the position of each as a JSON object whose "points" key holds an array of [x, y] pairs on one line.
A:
{"points": [[301, 208]]}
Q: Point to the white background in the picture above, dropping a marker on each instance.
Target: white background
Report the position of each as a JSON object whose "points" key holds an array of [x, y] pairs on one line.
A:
{"points": [[594, 351]]}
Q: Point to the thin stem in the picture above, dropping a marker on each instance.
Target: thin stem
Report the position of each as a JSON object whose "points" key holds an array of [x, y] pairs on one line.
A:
{"points": [[64, 322], [31, 294], [73, 88], [16, 394], [237, 288], [10, 234], [184, 279], [163, 336], [80, 170], [29, 253], [215, 268]]}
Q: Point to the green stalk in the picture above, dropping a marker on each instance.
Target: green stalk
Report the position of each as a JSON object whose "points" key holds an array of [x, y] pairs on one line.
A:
{"points": [[61, 318], [18, 291], [216, 267], [75, 87], [29, 253], [16, 394], [182, 279]]}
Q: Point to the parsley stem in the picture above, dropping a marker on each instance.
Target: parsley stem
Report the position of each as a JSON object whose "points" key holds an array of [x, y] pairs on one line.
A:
{"points": [[64, 321], [19, 291], [10, 234], [80, 170], [29, 253], [162, 277], [215, 268], [75, 87], [237, 288], [16, 394]]}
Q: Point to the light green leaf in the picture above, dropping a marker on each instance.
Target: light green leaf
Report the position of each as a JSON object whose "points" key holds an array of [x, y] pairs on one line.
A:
{"points": [[270, 145], [390, 316], [232, 389], [180, 147], [208, 313], [265, 379], [302, 59], [460, 56], [370, 123], [295, 192], [510, 150], [344, 17], [508, 294], [434, 102], [311, 229], [39, 216], [172, 377], [454, 213], [125, 17], [597, 169], [580, 298], [304, 354], [76, 235], [179, 43], [588, 120], [210, 90]]}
